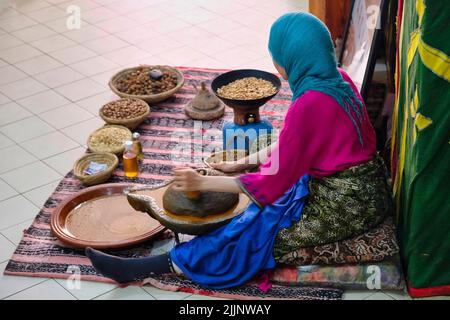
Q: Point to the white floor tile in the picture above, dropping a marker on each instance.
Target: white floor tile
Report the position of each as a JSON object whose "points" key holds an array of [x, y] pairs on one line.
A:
{"points": [[22, 88], [73, 54], [357, 294], [6, 191], [7, 249], [27, 6], [33, 33], [165, 25], [26, 129], [104, 77], [94, 66], [43, 101], [12, 112], [11, 74], [236, 56], [219, 26], [87, 290], [12, 284], [8, 41], [53, 43], [147, 15], [49, 145], [165, 295], [59, 76], [19, 53], [16, 210], [14, 157], [5, 141], [159, 45], [64, 162], [81, 131], [138, 34], [126, 54], [85, 33], [398, 295], [65, 116], [15, 233], [38, 64], [98, 14], [40, 195], [47, 290], [181, 56], [105, 44], [81, 89], [94, 103], [48, 14], [116, 24], [60, 25], [199, 297], [17, 22], [30, 176], [128, 293], [84, 5], [379, 296], [196, 16], [3, 99]]}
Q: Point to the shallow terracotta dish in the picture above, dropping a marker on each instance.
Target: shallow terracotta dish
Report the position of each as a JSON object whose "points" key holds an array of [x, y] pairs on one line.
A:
{"points": [[100, 217]]}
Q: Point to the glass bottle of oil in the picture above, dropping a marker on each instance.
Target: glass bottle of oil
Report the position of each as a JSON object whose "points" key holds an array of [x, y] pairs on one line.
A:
{"points": [[130, 162], [137, 146]]}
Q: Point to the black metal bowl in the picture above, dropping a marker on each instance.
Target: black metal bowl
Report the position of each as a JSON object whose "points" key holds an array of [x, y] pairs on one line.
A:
{"points": [[234, 75]]}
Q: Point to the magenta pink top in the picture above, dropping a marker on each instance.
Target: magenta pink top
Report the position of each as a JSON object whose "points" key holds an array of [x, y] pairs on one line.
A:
{"points": [[318, 138]]}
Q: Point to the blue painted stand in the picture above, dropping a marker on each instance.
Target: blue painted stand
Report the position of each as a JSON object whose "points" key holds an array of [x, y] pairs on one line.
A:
{"points": [[241, 136]]}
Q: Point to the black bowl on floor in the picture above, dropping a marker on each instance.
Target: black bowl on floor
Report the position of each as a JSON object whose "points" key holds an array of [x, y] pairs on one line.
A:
{"points": [[234, 75]]}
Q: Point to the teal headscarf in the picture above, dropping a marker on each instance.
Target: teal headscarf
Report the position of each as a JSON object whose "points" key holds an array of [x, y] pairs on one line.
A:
{"points": [[302, 45]]}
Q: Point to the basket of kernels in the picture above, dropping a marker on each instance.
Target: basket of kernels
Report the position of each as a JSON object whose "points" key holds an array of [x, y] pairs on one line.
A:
{"points": [[110, 138]]}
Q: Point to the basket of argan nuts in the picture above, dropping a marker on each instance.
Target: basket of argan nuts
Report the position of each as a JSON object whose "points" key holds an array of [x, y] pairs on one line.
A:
{"points": [[127, 112], [149, 83]]}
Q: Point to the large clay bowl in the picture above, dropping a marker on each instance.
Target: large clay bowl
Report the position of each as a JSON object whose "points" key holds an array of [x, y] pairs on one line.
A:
{"points": [[60, 226], [150, 200]]}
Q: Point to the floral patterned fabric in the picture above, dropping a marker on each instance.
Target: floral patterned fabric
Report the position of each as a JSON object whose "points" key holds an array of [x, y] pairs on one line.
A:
{"points": [[377, 244], [385, 275], [339, 206]]}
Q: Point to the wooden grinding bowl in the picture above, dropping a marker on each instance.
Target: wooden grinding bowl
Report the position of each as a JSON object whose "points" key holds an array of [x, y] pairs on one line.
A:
{"points": [[129, 123], [152, 98], [61, 227], [82, 164], [150, 199]]}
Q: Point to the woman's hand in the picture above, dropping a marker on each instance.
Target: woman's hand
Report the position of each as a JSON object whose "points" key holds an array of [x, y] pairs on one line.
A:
{"points": [[187, 179]]}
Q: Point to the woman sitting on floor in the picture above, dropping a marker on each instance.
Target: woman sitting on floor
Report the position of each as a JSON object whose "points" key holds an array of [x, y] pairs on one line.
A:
{"points": [[323, 181]]}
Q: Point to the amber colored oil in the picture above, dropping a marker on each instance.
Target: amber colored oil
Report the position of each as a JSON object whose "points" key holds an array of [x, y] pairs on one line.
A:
{"points": [[130, 164]]}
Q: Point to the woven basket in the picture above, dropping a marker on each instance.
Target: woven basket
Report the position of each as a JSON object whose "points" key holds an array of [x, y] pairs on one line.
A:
{"points": [[152, 98], [81, 164], [227, 155], [118, 150], [129, 123]]}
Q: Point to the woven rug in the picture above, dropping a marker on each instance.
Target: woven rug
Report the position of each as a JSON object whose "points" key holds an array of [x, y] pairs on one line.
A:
{"points": [[164, 133]]}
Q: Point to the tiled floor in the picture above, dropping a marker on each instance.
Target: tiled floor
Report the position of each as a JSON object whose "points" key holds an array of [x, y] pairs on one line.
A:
{"points": [[53, 80]]}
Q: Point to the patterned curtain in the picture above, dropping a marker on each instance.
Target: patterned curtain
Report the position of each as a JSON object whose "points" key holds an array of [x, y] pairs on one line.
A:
{"points": [[421, 144]]}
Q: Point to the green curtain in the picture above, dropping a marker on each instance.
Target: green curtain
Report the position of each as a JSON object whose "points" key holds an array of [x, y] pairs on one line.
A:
{"points": [[421, 143]]}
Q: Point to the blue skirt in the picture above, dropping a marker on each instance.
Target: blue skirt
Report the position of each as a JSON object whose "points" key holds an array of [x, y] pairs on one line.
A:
{"points": [[233, 254]]}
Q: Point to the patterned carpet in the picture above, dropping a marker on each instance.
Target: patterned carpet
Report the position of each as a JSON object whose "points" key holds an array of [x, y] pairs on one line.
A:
{"points": [[164, 133]]}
